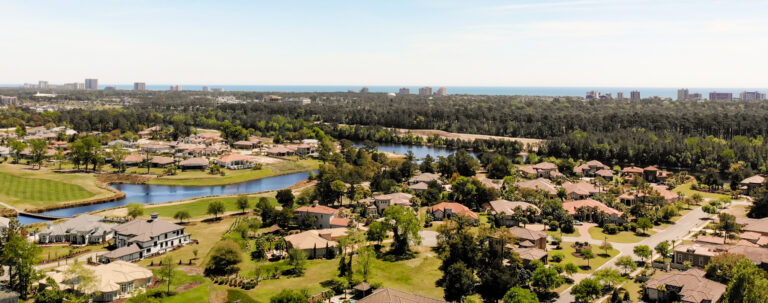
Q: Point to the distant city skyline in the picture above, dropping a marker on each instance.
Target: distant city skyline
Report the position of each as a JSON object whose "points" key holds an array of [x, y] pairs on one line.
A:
{"points": [[577, 43]]}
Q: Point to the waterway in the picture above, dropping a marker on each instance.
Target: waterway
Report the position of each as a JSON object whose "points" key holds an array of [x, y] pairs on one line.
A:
{"points": [[148, 194]]}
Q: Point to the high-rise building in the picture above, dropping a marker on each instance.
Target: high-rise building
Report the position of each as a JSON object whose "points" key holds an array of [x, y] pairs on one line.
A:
{"points": [[91, 83], [748, 96], [634, 95], [8, 100], [592, 95], [217, 89], [364, 90], [112, 88], [175, 88], [42, 84], [425, 91], [620, 95], [139, 86], [79, 86], [720, 96], [607, 96], [206, 88], [682, 94], [442, 91], [404, 91]]}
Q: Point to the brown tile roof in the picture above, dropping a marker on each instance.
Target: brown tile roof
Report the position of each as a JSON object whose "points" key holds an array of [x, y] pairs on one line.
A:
{"points": [[664, 191], [234, 157], [319, 209], [580, 188], [389, 295], [754, 225], [194, 162], [162, 160], [545, 165], [530, 253], [309, 240], [695, 288], [572, 206], [632, 170], [605, 173], [508, 207], [456, 208], [756, 179], [527, 234], [152, 228], [419, 186], [424, 177], [540, 184], [133, 159], [340, 221]]}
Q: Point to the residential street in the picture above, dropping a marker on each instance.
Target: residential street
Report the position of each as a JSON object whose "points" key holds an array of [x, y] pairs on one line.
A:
{"points": [[693, 221]]}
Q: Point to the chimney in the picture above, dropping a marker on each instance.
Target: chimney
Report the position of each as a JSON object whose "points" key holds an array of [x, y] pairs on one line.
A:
{"points": [[154, 217], [315, 203]]}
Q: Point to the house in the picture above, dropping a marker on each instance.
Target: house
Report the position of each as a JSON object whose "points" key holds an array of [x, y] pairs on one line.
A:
{"points": [[536, 239], [160, 161], [235, 161], [606, 174], [304, 149], [114, 281], [419, 187], [529, 254], [156, 148], [424, 178], [699, 253], [141, 238], [506, 209], [447, 210], [280, 151], [124, 143], [590, 168], [573, 207], [249, 144], [631, 172], [754, 230], [312, 243], [194, 163], [390, 295], [384, 201], [669, 196], [539, 184], [580, 190], [7, 296], [751, 184], [133, 160], [546, 170], [687, 287], [83, 229], [325, 217]]}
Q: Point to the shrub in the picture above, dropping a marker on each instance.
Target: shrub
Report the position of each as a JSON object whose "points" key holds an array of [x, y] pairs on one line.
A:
{"points": [[557, 257], [611, 229]]}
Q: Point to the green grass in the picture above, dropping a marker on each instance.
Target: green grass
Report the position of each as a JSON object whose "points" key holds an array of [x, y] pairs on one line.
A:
{"points": [[598, 261], [201, 178], [688, 192], [622, 237], [234, 295], [52, 252], [199, 208], [197, 294], [417, 275], [23, 187], [574, 234]]}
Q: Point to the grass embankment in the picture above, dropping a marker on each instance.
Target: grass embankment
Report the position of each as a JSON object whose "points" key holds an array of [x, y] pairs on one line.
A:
{"points": [[201, 178], [688, 192], [199, 208], [621, 237], [23, 187], [598, 261]]}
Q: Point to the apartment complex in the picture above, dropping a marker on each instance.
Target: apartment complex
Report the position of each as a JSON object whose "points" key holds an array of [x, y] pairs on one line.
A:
{"points": [[749, 96], [139, 86], [634, 95], [720, 96], [682, 94], [442, 91], [175, 88], [404, 91], [92, 84], [425, 91]]}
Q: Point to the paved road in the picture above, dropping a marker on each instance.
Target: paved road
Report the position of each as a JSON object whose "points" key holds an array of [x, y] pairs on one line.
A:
{"points": [[694, 220]]}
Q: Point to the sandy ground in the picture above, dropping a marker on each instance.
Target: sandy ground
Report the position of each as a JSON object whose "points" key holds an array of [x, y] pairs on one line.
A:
{"points": [[266, 160], [467, 137]]}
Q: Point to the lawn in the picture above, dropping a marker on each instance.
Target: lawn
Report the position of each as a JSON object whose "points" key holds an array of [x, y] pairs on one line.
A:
{"points": [[23, 187], [197, 294], [199, 208], [400, 275], [52, 252], [206, 233], [598, 261], [622, 237], [574, 234], [688, 192], [201, 178]]}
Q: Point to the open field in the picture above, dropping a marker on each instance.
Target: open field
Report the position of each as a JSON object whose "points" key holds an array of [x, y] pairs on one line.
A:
{"points": [[621, 237], [23, 187], [687, 191], [201, 178], [199, 208]]}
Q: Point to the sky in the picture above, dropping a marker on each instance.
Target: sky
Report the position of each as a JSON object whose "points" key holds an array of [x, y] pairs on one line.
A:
{"points": [[632, 43]]}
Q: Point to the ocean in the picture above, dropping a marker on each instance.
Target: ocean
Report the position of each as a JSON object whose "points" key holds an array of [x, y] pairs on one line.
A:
{"points": [[663, 92]]}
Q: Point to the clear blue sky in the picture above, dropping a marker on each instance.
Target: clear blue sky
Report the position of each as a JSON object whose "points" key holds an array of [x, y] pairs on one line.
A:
{"points": [[696, 43]]}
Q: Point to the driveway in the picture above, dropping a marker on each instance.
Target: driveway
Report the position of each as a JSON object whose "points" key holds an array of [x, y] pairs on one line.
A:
{"points": [[428, 238]]}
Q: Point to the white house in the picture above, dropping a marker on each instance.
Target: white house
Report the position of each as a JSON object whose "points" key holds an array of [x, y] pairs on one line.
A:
{"points": [[141, 238], [83, 229]]}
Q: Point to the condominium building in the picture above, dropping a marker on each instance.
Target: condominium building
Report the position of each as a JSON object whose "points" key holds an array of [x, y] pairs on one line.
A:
{"points": [[695, 96], [682, 94], [425, 91], [634, 95], [364, 90], [8, 100], [42, 84], [206, 88], [620, 95], [748, 96], [404, 91], [139, 86], [442, 91], [91, 83], [78, 86], [593, 94], [720, 96], [175, 88]]}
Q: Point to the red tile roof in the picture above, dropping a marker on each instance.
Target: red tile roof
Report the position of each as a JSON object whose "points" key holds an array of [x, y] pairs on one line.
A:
{"points": [[320, 209], [572, 206], [456, 208]]}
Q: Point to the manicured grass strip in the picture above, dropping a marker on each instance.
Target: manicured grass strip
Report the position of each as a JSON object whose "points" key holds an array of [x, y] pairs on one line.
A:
{"points": [[622, 237], [40, 189], [234, 295], [199, 208], [598, 261], [688, 192]]}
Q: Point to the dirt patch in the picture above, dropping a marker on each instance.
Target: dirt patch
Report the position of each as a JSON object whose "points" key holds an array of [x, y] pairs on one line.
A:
{"points": [[187, 286], [424, 133], [191, 270], [124, 178]]}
